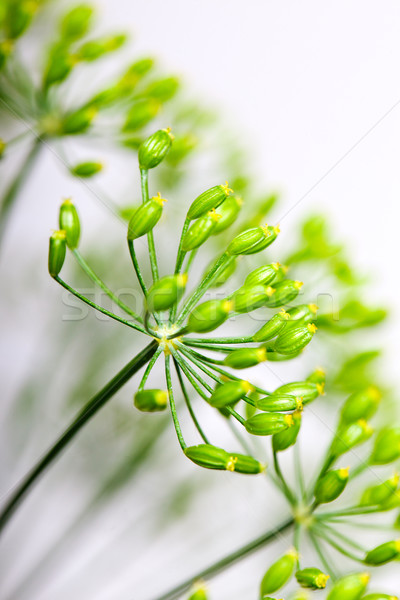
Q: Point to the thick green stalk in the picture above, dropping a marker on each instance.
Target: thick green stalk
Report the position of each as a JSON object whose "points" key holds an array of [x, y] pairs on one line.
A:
{"points": [[87, 412]]}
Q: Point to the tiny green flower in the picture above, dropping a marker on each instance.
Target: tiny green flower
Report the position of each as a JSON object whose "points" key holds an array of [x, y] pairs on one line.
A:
{"points": [[312, 578], [151, 400], [153, 150], [57, 252], [350, 587], [69, 222], [245, 358], [145, 217], [208, 200], [383, 553], [331, 485], [268, 423], [278, 573]]}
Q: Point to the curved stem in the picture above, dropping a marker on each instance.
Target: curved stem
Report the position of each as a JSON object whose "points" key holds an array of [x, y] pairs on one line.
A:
{"points": [[285, 488], [322, 555], [189, 404], [224, 340], [144, 180], [136, 267], [172, 403], [87, 412], [149, 368]]}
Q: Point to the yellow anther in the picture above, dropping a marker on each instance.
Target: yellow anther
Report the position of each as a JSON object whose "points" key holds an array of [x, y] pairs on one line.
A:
{"points": [[321, 580], [269, 291], [214, 215], [313, 308], [261, 354], [181, 279], [276, 266], [159, 199], [374, 393], [246, 386], [227, 189], [230, 465], [321, 388], [344, 472], [276, 229], [285, 315], [298, 285], [312, 328], [365, 577], [299, 403], [288, 419], [227, 305]]}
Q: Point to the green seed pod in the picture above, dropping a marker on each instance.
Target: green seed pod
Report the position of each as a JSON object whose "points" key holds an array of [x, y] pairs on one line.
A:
{"points": [[248, 298], [379, 597], [279, 573], [350, 587], [241, 463], [272, 327], [57, 251], [208, 456], [331, 485], [350, 436], [76, 23], [277, 403], [200, 231], [145, 217], [165, 292], [392, 502], [312, 578], [301, 315], [229, 393], [59, 65], [245, 358], [95, 49], [229, 211], [263, 275], [18, 17], [294, 340], [78, 121], [361, 405], [285, 292], [285, 439], [381, 493], [225, 274], [209, 315], [69, 222], [151, 400], [383, 554], [153, 150], [387, 446], [162, 89], [268, 423], [142, 112], [306, 390], [208, 200], [86, 169], [253, 240]]}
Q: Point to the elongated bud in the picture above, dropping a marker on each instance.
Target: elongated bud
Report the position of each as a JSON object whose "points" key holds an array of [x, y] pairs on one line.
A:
{"points": [[350, 436], [212, 457], [209, 315], [361, 405], [241, 463], [381, 493], [264, 275], [285, 292], [229, 211], [208, 200], [306, 390], [151, 400], [387, 446], [57, 251], [76, 22], [312, 578], [285, 439], [272, 328], [379, 597], [331, 485], [302, 314], [78, 121], [249, 298], [18, 17], [200, 231], [276, 403], [94, 49], [153, 150], [162, 89], [245, 358], [165, 292], [229, 393], [279, 573], [141, 113], [294, 340], [253, 240], [350, 587], [268, 423], [145, 217], [86, 169], [69, 222], [383, 553], [59, 65]]}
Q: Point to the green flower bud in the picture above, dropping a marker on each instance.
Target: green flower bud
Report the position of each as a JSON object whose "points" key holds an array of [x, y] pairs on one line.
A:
{"points": [[253, 240], [302, 315], [263, 275], [229, 393], [383, 553], [141, 113], [57, 251], [212, 457], [294, 340], [306, 390], [249, 298], [229, 211], [349, 437], [209, 315], [162, 89], [86, 169], [95, 49], [18, 17], [245, 358], [59, 65], [350, 587], [279, 573], [312, 578], [145, 217], [241, 463], [331, 485], [272, 327], [200, 231], [165, 292], [285, 292], [276, 403], [151, 400], [76, 22], [78, 121], [317, 376], [387, 446], [379, 597], [69, 222], [284, 439], [361, 405], [208, 200], [268, 423], [225, 274], [153, 150], [381, 493]]}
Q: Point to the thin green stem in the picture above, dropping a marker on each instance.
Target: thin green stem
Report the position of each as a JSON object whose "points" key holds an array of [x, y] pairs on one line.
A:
{"points": [[104, 311], [351, 511], [228, 560], [322, 556], [341, 536], [224, 340], [87, 412], [149, 368], [137, 267], [92, 275], [298, 467], [172, 403], [144, 180], [285, 487], [322, 534], [189, 404], [181, 253]]}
